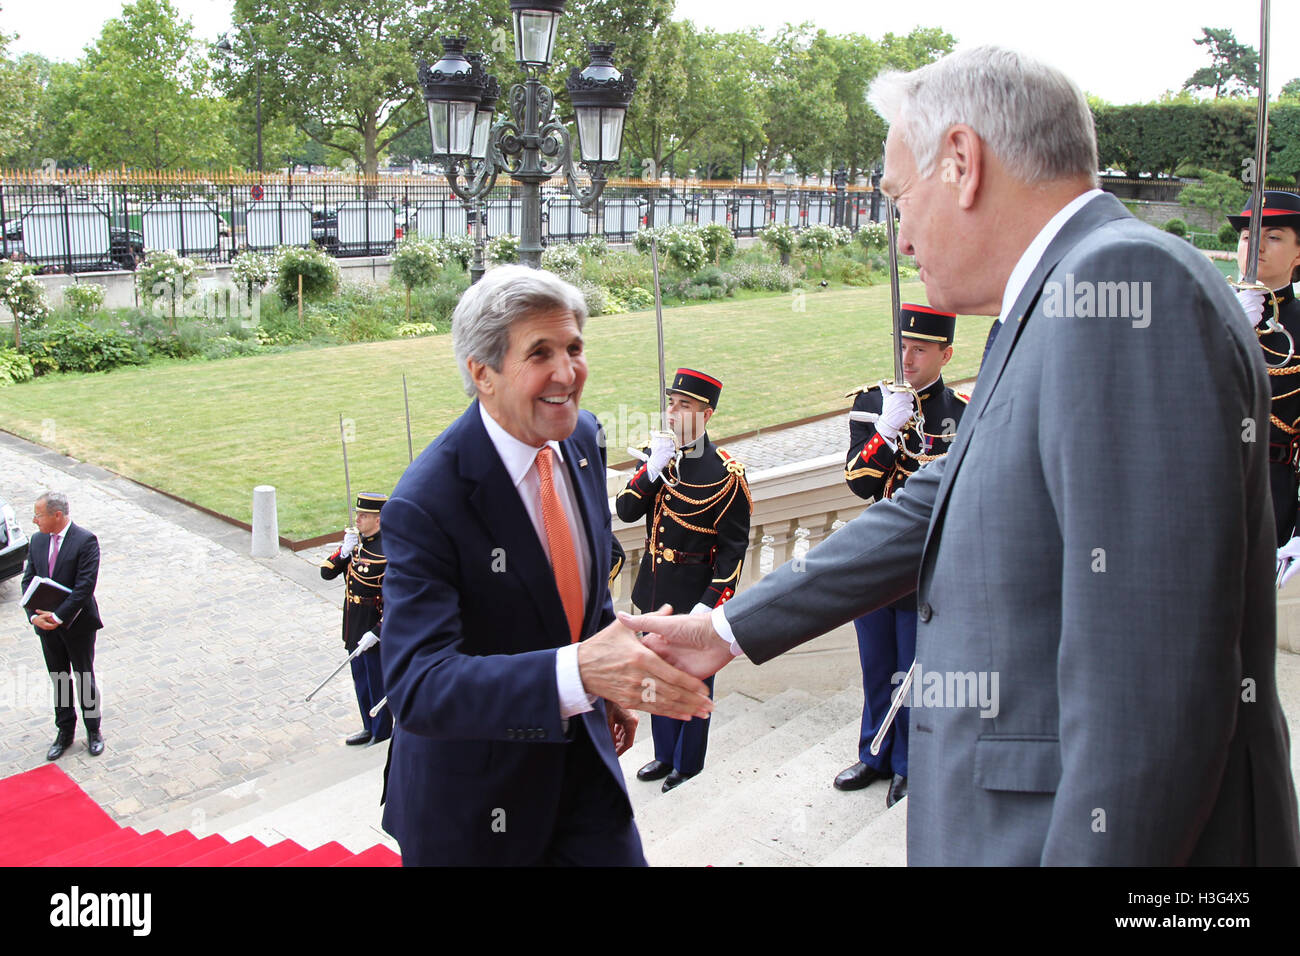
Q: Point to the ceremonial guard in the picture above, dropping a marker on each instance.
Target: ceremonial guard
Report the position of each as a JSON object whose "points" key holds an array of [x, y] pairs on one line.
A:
{"points": [[1279, 266], [361, 556], [882, 455], [696, 505]]}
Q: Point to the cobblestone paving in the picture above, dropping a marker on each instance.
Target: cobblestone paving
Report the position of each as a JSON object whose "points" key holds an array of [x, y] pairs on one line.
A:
{"points": [[205, 657]]}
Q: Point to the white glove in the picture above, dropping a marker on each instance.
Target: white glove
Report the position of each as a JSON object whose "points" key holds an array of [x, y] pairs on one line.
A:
{"points": [[350, 541], [1287, 561], [1252, 303], [662, 449], [368, 640], [894, 414]]}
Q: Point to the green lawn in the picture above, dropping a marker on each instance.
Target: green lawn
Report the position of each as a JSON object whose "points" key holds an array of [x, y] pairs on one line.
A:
{"points": [[210, 431]]}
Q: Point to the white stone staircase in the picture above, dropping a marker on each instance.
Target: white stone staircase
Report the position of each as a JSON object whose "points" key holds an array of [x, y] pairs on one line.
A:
{"points": [[764, 799]]}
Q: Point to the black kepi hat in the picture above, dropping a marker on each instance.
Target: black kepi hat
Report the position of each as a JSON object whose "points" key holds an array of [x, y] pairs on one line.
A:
{"points": [[923, 322], [370, 503], [1281, 208], [697, 385]]}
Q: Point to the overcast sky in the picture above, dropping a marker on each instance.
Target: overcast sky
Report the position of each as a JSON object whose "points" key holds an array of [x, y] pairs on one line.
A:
{"points": [[1123, 51]]}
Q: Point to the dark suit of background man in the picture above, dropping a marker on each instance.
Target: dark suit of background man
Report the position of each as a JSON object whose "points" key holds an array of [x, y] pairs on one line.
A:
{"points": [[876, 467], [362, 555], [696, 513], [507, 675], [1136, 718], [67, 632]]}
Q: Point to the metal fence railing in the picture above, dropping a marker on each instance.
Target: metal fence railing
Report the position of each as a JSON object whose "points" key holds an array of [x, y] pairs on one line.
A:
{"points": [[72, 222]]}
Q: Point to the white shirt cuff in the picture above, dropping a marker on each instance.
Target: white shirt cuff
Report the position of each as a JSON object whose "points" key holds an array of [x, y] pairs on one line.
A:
{"points": [[718, 618], [574, 698], [892, 443]]}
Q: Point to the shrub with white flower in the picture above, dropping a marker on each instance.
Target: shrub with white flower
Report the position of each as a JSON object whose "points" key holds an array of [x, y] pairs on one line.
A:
{"points": [[873, 236], [84, 299], [319, 272], [23, 293], [819, 239], [458, 246], [682, 245], [843, 235], [563, 258], [251, 271], [781, 237], [418, 262], [504, 248], [166, 280]]}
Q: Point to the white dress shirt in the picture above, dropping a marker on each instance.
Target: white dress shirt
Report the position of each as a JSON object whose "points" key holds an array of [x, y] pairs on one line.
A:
{"points": [[519, 459], [1029, 260]]}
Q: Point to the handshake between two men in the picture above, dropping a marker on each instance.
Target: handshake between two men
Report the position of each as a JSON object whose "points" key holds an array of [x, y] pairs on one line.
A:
{"points": [[662, 673]]}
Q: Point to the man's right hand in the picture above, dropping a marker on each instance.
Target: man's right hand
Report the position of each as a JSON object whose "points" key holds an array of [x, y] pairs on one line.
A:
{"points": [[896, 409], [1252, 303], [662, 449], [613, 664], [687, 641], [350, 541]]}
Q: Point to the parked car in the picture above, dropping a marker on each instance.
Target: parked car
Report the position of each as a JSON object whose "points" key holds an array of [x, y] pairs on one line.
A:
{"points": [[125, 247], [325, 227], [13, 543]]}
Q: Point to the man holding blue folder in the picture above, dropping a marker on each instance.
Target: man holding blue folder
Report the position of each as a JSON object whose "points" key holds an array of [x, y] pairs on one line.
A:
{"points": [[68, 555]]}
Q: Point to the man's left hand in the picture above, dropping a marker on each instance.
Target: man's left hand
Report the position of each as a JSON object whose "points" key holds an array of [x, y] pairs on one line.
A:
{"points": [[1288, 561], [622, 727]]}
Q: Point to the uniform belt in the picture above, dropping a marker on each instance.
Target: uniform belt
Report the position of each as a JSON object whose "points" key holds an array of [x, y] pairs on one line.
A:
{"points": [[367, 601], [1282, 453], [673, 556]]}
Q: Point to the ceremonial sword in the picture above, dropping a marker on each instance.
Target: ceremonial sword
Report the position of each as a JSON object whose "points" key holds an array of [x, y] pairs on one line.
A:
{"points": [[663, 379], [899, 384], [1250, 278]]}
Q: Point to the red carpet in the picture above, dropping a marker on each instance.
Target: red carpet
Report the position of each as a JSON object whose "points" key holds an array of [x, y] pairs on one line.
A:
{"points": [[85, 835]]}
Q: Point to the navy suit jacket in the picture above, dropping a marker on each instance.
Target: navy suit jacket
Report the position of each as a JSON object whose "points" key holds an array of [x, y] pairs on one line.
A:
{"points": [[472, 621], [77, 567]]}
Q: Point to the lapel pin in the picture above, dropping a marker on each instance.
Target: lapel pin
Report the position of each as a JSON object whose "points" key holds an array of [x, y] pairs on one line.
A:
{"points": [[582, 463]]}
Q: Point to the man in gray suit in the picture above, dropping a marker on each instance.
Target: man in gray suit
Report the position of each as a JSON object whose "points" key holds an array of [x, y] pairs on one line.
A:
{"points": [[1094, 559]]}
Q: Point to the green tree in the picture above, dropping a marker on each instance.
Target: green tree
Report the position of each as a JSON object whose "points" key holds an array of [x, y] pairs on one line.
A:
{"points": [[1291, 89], [144, 98], [19, 98], [1216, 193], [802, 112], [344, 71], [1233, 69]]}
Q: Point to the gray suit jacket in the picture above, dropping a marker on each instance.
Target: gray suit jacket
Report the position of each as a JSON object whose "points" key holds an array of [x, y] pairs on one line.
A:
{"points": [[1099, 542]]}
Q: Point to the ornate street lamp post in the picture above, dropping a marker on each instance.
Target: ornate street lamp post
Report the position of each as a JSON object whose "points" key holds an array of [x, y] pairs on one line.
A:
{"points": [[533, 145]]}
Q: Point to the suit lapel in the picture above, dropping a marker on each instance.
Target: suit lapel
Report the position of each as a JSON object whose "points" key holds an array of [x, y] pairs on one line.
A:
{"points": [[497, 502], [1097, 212]]}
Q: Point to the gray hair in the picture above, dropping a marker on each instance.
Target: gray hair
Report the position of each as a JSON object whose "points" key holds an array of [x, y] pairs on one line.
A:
{"points": [[1031, 115], [480, 326], [55, 501]]}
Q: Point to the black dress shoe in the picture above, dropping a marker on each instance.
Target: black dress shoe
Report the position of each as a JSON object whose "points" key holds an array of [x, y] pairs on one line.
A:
{"points": [[675, 779], [56, 749], [359, 738], [654, 770], [897, 790], [95, 743], [858, 776]]}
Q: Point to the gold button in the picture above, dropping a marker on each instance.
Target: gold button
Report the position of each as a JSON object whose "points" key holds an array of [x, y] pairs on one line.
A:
{"points": [[668, 555]]}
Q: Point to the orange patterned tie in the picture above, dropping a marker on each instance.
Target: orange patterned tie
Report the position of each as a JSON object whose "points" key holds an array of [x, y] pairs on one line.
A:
{"points": [[564, 560]]}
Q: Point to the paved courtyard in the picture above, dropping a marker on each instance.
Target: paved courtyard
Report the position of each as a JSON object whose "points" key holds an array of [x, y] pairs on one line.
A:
{"points": [[205, 657]]}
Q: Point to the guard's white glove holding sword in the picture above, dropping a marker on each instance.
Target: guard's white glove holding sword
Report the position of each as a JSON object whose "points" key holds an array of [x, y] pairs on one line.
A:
{"points": [[350, 541], [662, 449], [1288, 561], [1252, 303], [895, 411]]}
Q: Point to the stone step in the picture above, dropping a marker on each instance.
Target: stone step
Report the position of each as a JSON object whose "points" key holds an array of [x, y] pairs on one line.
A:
{"points": [[283, 784], [728, 709], [735, 736], [793, 810], [881, 842], [347, 812], [779, 739]]}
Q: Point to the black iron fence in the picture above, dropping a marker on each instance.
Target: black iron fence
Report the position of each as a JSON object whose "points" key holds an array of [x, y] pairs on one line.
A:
{"points": [[72, 223]]}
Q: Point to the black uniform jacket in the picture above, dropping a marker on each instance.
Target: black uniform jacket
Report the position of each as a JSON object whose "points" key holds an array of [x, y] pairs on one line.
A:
{"points": [[697, 530]]}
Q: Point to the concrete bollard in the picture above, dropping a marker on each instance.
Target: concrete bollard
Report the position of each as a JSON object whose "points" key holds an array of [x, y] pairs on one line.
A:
{"points": [[266, 527]]}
